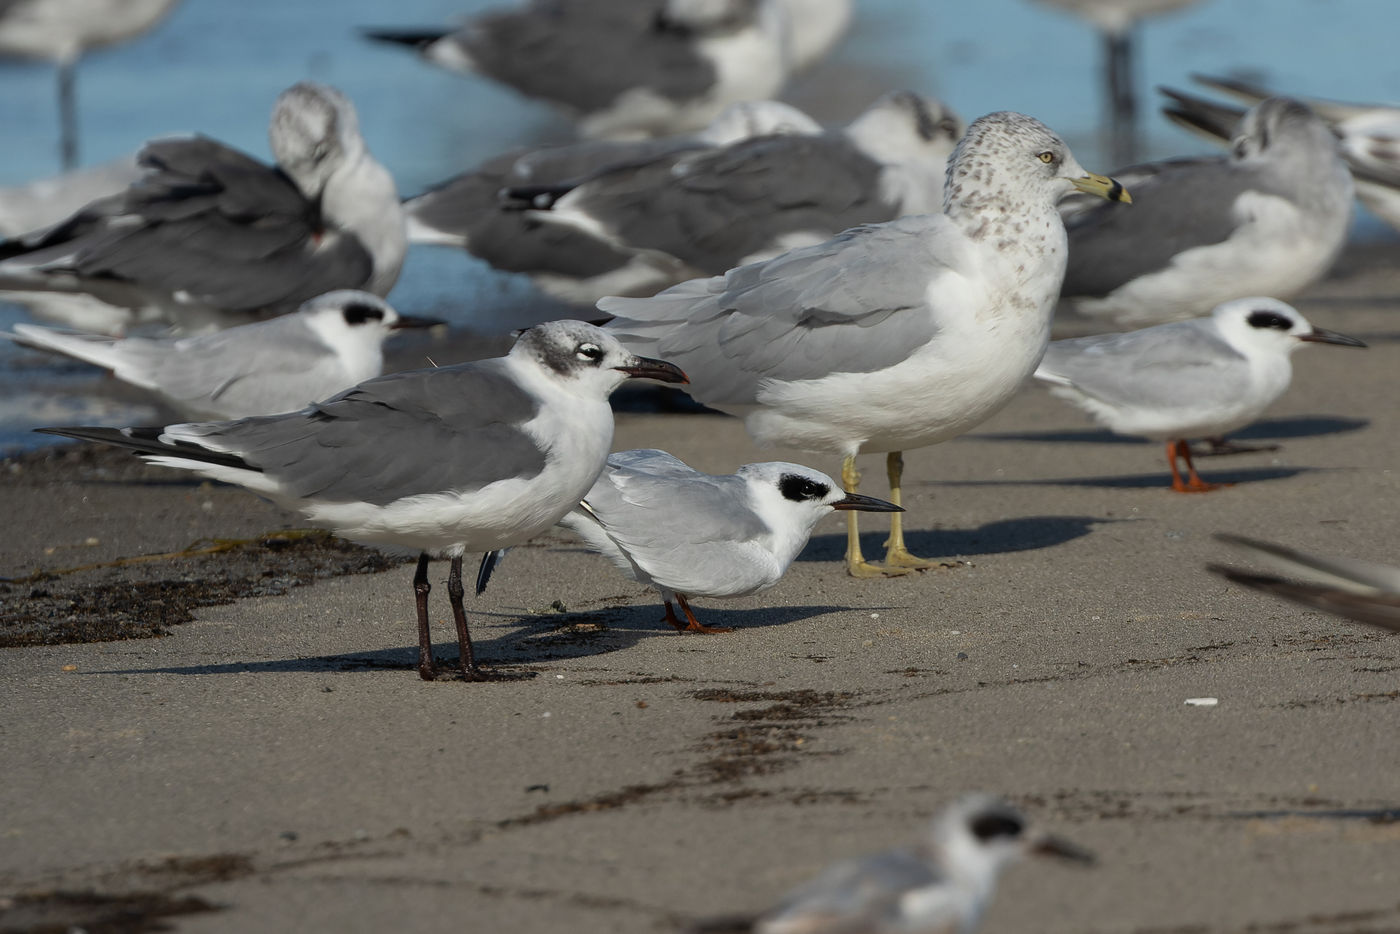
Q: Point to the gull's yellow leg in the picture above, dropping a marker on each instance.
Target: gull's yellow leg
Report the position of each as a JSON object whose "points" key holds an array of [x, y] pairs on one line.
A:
{"points": [[896, 555], [856, 565]]}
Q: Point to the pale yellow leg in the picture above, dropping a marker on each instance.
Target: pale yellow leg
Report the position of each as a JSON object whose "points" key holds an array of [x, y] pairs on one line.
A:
{"points": [[896, 554], [856, 565]]}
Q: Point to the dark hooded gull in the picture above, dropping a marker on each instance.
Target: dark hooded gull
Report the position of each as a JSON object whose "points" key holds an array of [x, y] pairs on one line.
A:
{"points": [[473, 457], [889, 336]]}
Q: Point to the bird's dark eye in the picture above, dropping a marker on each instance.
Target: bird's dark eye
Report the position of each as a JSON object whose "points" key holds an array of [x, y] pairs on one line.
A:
{"points": [[1047, 157], [590, 352], [990, 826], [1270, 319], [358, 313], [799, 489]]}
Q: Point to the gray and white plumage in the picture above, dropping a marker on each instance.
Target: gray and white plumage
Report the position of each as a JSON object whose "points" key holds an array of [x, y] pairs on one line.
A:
{"points": [[621, 67], [331, 343], [1268, 219], [1186, 379], [693, 534], [941, 884], [710, 211], [62, 31], [472, 457], [1369, 135], [470, 210], [889, 336], [1357, 590], [211, 235]]}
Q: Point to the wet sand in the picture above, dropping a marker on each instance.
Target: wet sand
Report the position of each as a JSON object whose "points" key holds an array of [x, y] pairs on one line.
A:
{"points": [[274, 763]]}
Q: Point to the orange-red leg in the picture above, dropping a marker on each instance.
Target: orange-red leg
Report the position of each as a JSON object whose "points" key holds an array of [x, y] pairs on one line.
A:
{"points": [[692, 624], [1193, 482]]}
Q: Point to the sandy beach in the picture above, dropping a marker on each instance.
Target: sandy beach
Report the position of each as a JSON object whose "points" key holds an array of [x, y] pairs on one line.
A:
{"points": [[272, 762]]}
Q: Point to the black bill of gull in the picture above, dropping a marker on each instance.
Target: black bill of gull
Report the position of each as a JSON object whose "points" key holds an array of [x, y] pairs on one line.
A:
{"points": [[473, 457], [262, 368], [1267, 219], [211, 235], [889, 336]]}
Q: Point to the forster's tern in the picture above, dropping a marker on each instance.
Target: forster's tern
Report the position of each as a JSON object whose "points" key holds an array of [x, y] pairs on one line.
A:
{"points": [[621, 67], [1359, 590], [1186, 379], [473, 457], [331, 343], [210, 235], [889, 336], [705, 213], [1268, 219], [693, 534], [62, 31], [471, 210], [940, 885]]}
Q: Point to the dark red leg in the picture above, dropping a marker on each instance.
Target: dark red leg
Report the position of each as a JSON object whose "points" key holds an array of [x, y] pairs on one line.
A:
{"points": [[427, 669], [1193, 482], [693, 624]]}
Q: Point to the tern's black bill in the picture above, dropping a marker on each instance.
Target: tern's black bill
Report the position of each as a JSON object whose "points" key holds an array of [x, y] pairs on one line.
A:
{"points": [[1058, 846], [414, 321], [865, 504], [1324, 336], [660, 370]]}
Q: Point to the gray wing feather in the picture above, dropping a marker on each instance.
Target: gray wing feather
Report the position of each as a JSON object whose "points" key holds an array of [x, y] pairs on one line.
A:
{"points": [[856, 897], [803, 315], [1181, 205], [650, 501], [1173, 364], [424, 431]]}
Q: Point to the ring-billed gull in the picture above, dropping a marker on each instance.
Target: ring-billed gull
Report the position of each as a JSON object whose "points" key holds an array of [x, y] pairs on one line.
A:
{"points": [[939, 885], [1360, 590], [211, 235], [692, 534], [1187, 379], [621, 67], [473, 457], [709, 212], [1268, 219], [469, 210], [331, 343], [1369, 135], [889, 336], [62, 31]]}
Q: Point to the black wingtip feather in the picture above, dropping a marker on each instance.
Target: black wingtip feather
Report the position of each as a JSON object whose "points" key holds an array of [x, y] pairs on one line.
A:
{"points": [[413, 38], [147, 442]]}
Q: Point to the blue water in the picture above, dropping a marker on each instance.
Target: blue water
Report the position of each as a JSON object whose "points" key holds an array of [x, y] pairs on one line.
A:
{"points": [[216, 67]]}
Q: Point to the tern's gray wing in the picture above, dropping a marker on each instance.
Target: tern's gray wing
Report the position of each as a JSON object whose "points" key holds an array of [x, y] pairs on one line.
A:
{"points": [[716, 209], [553, 54], [650, 502], [454, 428], [1172, 364], [1185, 204], [863, 896], [211, 222], [854, 304]]}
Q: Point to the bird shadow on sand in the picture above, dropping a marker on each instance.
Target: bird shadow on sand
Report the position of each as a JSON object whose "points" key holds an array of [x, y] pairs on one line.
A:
{"points": [[1269, 429], [1024, 534], [1147, 481]]}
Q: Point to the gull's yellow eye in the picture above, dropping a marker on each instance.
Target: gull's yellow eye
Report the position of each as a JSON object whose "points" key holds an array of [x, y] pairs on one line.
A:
{"points": [[1047, 157]]}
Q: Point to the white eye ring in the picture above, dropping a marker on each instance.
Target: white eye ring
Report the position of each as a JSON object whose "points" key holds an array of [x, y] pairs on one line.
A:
{"points": [[590, 352]]}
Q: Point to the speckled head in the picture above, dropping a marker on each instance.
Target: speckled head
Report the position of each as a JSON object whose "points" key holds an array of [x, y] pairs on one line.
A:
{"points": [[1017, 163], [314, 128], [1281, 126], [578, 352]]}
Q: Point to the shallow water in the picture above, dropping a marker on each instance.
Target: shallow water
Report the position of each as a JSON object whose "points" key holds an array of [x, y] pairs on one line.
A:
{"points": [[209, 71]]}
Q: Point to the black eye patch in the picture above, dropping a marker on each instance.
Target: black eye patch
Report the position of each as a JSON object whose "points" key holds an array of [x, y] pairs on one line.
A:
{"points": [[358, 313], [990, 826], [798, 488], [1270, 319]]}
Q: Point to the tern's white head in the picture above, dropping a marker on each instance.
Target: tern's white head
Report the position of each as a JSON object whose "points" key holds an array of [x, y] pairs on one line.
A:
{"points": [[586, 358], [792, 499], [355, 324], [1259, 326]]}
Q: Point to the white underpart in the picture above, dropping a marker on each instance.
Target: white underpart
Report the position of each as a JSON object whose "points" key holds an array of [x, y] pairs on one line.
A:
{"points": [[1277, 250]]}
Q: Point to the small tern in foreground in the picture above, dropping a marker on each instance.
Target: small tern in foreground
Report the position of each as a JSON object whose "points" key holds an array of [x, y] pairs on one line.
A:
{"points": [[889, 336], [693, 534], [1187, 379], [1360, 590], [474, 457], [940, 885], [331, 343]]}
